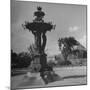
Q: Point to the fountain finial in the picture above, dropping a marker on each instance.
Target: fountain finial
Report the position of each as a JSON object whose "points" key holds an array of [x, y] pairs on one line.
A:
{"points": [[39, 8]]}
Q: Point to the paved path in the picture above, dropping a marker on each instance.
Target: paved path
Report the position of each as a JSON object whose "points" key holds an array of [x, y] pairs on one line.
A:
{"points": [[69, 75]]}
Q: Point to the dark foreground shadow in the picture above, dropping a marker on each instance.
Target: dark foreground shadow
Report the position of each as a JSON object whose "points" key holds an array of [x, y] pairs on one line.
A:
{"points": [[51, 78], [56, 77]]}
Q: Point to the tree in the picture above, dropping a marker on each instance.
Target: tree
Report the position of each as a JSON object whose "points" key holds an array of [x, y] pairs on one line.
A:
{"points": [[66, 45], [24, 59], [14, 60], [20, 60], [32, 50]]}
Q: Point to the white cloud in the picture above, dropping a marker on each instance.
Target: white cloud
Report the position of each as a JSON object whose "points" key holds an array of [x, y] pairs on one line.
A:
{"points": [[74, 28], [83, 40], [53, 49]]}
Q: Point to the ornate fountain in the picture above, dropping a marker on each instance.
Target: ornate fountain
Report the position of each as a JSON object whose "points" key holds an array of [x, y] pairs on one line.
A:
{"points": [[39, 28]]}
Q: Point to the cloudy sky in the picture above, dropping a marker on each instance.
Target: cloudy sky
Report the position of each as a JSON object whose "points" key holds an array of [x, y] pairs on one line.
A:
{"points": [[70, 20]]}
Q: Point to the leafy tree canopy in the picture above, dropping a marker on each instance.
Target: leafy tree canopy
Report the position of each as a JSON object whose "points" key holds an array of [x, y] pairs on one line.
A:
{"points": [[66, 45]]}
